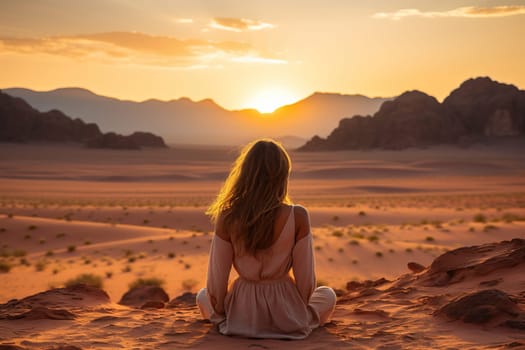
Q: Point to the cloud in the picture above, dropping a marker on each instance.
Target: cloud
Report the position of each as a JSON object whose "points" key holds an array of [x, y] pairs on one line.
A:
{"points": [[464, 12], [239, 24], [139, 48], [184, 20]]}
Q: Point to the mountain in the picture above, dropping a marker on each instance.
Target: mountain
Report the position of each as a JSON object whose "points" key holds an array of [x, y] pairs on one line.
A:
{"points": [[478, 109], [186, 121], [19, 122]]}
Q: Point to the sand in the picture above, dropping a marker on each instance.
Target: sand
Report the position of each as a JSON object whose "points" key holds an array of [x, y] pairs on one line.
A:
{"points": [[123, 215]]}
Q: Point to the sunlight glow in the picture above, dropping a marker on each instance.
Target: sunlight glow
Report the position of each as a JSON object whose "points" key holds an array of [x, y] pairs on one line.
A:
{"points": [[269, 100]]}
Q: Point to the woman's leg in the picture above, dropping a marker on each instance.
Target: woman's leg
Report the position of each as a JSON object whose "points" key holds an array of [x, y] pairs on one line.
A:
{"points": [[323, 301]]}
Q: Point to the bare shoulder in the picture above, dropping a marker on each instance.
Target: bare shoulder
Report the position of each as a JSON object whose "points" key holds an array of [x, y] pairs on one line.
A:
{"points": [[302, 222], [220, 228]]}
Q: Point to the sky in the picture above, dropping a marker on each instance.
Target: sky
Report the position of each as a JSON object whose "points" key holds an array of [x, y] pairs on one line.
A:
{"points": [[259, 54]]}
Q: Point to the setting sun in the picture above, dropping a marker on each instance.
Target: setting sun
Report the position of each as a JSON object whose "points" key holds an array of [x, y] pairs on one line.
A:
{"points": [[269, 100]]}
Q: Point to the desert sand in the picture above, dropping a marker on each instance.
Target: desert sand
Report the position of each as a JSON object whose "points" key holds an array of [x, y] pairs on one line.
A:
{"points": [[124, 215]]}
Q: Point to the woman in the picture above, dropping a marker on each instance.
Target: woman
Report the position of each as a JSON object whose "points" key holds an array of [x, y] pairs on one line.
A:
{"points": [[263, 235]]}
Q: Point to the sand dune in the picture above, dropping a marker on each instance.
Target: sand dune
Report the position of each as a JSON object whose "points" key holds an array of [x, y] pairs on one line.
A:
{"points": [[125, 215]]}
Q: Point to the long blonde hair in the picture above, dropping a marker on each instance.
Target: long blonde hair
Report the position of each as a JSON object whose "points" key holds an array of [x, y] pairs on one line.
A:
{"points": [[255, 188]]}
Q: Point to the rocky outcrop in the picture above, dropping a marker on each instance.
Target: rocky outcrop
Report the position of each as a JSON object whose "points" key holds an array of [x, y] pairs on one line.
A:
{"points": [[145, 297], [147, 139], [484, 306], [19, 122], [479, 108]]}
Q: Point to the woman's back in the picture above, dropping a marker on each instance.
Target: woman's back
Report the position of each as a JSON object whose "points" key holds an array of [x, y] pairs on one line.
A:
{"points": [[274, 262]]}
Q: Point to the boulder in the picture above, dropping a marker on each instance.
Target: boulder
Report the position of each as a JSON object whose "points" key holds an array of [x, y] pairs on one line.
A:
{"points": [[143, 296]]}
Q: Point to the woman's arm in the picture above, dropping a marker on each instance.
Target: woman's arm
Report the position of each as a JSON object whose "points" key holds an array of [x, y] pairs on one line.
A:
{"points": [[303, 255], [219, 267]]}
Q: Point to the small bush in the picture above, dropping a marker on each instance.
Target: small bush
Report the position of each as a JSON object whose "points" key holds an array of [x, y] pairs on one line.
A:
{"points": [[40, 266], [151, 281], [373, 238], [32, 227], [361, 213], [335, 218], [71, 248], [189, 284], [49, 253], [5, 267], [171, 255], [85, 278], [353, 242], [408, 250], [337, 233], [480, 218], [489, 228], [429, 239], [379, 254], [60, 235], [17, 253]]}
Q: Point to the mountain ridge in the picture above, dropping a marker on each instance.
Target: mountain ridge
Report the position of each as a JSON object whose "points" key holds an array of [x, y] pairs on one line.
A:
{"points": [[186, 121]]}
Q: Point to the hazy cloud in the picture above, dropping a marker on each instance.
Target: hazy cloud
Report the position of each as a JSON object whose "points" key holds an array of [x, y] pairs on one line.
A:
{"points": [[465, 12], [184, 20], [139, 48], [239, 24]]}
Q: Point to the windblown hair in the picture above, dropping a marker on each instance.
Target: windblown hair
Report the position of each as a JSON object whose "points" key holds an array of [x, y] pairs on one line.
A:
{"points": [[255, 188]]}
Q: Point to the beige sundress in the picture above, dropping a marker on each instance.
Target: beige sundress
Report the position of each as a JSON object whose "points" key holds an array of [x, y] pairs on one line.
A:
{"points": [[265, 301]]}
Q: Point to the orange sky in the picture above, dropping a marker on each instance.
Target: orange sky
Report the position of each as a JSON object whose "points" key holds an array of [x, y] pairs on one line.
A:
{"points": [[259, 53]]}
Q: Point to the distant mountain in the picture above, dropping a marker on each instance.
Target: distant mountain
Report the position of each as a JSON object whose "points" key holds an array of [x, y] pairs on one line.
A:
{"points": [[479, 109], [19, 122], [186, 121]]}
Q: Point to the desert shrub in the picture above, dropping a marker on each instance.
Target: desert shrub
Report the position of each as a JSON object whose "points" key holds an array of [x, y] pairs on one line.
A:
{"points": [[5, 267], [60, 235], [71, 248], [337, 233], [429, 239], [361, 213], [19, 253], [379, 254], [85, 278], [354, 242], [40, 266], [31, 227], [335, 218], [489, 228], [373, 238], [189, 284], [480, 218], [151, 281]]}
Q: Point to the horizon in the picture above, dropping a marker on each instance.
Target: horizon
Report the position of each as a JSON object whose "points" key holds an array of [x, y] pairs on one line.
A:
{"points": [[248, 56]]}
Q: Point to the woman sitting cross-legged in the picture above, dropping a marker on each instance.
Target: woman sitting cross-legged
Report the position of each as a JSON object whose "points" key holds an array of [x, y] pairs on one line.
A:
{"points": [[264, 236]]}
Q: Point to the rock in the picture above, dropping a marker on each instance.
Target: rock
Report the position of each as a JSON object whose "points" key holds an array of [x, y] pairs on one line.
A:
{"points": [[456, 265], [153, 305], [74, 296], [147, 139], [186, 299], [415, 267], [19, 122], [478, 109], [113, 141], [481, 307], [43, 313], [354, 285], [142, 295]]}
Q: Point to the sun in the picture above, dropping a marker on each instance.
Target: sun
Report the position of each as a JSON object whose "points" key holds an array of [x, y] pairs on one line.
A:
{"points": [[269, 100]]}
